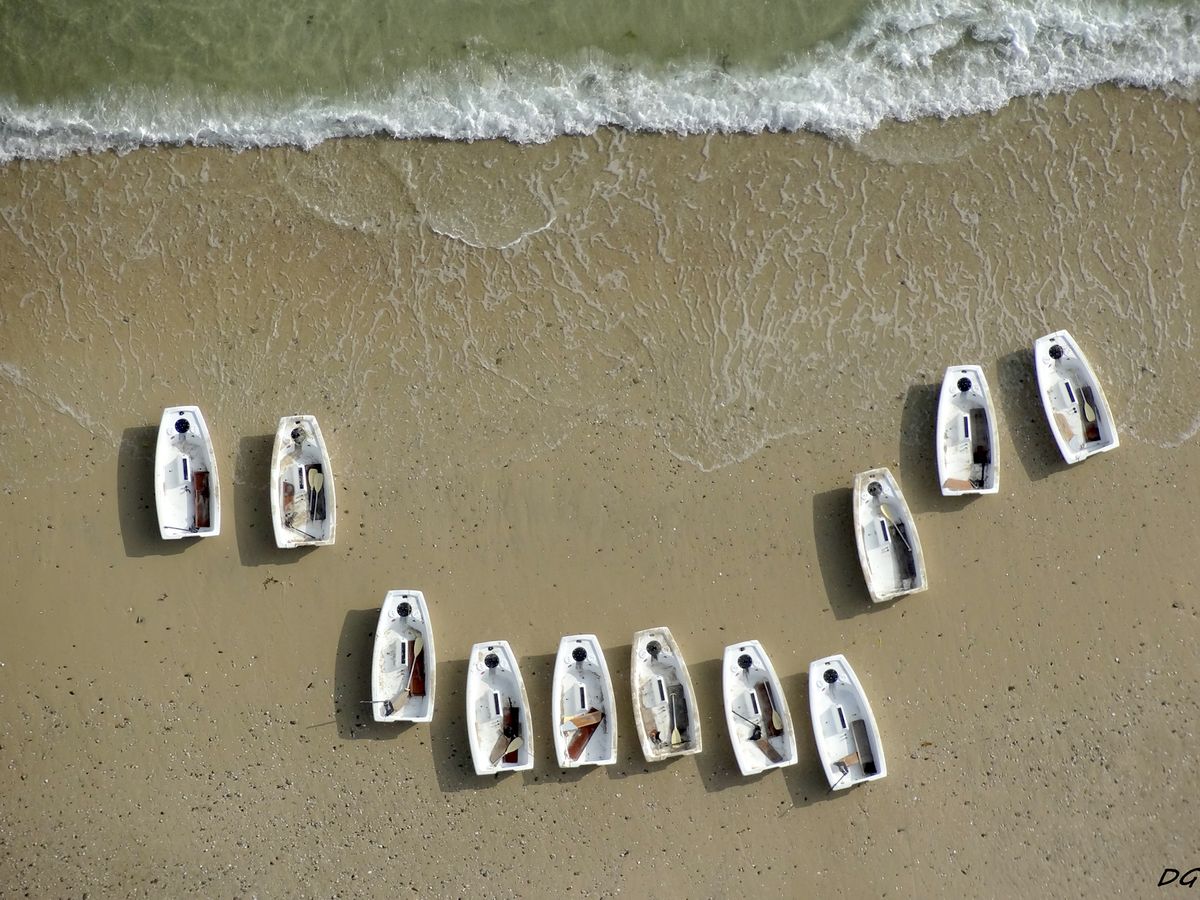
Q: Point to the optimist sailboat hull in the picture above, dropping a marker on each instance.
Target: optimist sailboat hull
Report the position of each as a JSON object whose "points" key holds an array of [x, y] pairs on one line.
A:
{"points": [[404, 662], [756, 711], [967, 443], [889, 547], [1073, 399], [187, 491], [664, 702], [843, 724], [303, 502], [585, 715], [499, 727]]}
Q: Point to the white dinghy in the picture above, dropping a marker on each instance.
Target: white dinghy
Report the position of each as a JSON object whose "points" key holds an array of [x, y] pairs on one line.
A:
{"points": [[585, 714], [498, 723], [303, 506], [843, 724], [888, 546], [404, 664], [1075, 405], [966, 434], [664, 703], [760, 726], [187, 493]]}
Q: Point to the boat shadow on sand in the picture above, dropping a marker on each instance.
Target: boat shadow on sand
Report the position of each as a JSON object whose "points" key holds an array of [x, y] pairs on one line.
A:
{"points": [[718, 766], [447, 735], [1027, 432], [136, 511], [352, 681], [837, 556], [252, 506], [444, 737], [918, 469], [805, 780]]}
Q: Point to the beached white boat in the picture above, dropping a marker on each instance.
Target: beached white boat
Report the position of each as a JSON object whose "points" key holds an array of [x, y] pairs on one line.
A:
{"points": [[187, 492], [967, 445], [303, 505], [888, 545], [843, 724], [404, 664], [760, 726], [664, 703], [1075, 405], [498, 723], [585, 714]]}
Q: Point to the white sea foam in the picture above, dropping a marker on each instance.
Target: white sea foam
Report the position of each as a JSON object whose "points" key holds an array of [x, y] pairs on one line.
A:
{"points": [[913, 59]]}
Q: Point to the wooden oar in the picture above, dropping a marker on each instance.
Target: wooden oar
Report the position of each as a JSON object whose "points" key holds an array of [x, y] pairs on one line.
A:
{"points": [[768, 750], [418, 645], [580, 740], [756, 738], [505, 744], [1091, 427], [1089, 411], [767, 699], [582, 720], [676, 738], [316, 481], [886, 512]]}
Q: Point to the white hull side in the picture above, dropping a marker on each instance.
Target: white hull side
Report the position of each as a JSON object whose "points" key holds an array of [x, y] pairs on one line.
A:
{"points": [[187, 490], [664, 702], [1077, 410], [967, 442], [843, 725], [891, 567], [496, 700], [302, 516], [760, 740], [583, 688], [403, 618]]}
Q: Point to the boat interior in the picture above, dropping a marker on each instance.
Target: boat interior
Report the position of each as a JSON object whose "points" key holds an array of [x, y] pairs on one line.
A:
{"points": [[186, 503], [762, 725], [304, 491], [664, 710], [967, 448], [585, 720], [888, 545], [402, 674], [1080, 420]]}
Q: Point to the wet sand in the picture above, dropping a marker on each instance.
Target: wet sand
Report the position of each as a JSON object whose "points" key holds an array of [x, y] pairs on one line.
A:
{"points": [[599, 385]]}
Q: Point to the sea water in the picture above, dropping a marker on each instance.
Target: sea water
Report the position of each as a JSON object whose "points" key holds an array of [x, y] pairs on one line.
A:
{"points": [[84, 76]]}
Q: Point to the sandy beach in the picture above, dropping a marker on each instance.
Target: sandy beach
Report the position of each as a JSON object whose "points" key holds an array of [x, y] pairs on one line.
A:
{"points": [[598, 385]]}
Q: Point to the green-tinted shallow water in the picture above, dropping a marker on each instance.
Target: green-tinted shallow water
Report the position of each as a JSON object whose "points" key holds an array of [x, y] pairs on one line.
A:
{"points": [[79, 76], [55, 50]]}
